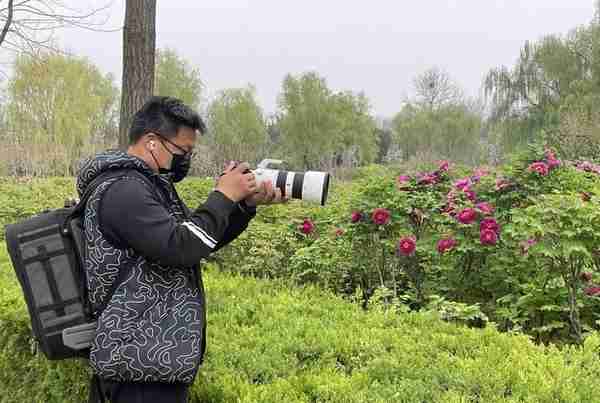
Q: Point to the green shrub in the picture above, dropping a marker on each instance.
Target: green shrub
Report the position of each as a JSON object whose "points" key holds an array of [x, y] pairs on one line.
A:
{"points": [[269, 343]]}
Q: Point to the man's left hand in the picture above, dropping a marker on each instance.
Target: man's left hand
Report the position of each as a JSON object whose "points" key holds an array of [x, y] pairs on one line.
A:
{"points": [[266, 194]]}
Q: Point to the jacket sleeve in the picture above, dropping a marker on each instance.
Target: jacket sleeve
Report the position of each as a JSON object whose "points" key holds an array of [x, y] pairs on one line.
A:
{"points": [[132, 216], [238, 222]]}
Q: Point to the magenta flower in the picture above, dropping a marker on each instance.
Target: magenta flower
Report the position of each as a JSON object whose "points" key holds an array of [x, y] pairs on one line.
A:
{"points": [[470, 194], [427, 179], [467, 216], [444, 166], [489, 224], [381, 216], [402, 179], [462, 183], [307, 227], [446, 244], [356, 216], [539, 167], [592, 291], [488, 237], [485, 207], [407, 246]]}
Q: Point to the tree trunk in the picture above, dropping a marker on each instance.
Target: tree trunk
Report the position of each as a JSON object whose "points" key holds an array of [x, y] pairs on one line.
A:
{"points": [[139, 45]]}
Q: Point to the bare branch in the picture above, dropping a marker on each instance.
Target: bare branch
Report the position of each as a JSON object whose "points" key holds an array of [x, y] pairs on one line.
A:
{"points": [[8, 22]]}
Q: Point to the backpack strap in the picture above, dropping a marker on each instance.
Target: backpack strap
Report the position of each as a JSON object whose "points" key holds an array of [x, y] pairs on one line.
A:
{"points": [[79, 210]]}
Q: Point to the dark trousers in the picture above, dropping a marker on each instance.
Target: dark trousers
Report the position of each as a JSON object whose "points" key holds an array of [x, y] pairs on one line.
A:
{"points": [[102, 391]]}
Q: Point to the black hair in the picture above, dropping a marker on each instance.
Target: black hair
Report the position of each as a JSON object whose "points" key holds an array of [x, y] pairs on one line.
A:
{"points": [[165, 116]]}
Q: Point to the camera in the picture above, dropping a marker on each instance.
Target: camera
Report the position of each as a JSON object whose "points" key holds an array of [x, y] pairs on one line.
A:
{"points": [[310, 186]]}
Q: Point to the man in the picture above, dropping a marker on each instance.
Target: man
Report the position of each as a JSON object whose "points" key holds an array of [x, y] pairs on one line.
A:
{"points": [[142, 252]]}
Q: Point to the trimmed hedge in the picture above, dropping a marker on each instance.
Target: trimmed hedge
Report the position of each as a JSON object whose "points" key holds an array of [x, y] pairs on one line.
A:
{"points": [[269, 343]]}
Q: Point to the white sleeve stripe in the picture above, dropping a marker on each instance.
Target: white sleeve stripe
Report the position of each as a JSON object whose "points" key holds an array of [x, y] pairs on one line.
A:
{"points": [[201, 230], [200, 235]]}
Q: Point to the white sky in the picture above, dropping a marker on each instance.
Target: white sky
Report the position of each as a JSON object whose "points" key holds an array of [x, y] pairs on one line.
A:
{"points": [[374, 46]]}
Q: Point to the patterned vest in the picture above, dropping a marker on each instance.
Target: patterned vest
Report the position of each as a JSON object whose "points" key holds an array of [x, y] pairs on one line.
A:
{"points": [[154, 326]]}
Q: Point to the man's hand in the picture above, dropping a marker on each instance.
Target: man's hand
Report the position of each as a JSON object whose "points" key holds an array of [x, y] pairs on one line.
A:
{"points": [[235, 184], [266, 194]]}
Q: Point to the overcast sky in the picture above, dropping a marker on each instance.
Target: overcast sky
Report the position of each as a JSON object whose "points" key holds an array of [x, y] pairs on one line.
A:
{"points": [[374, 46]]}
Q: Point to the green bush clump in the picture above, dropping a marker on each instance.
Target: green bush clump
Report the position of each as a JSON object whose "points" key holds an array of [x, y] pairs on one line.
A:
{"points": [[271, 343]]}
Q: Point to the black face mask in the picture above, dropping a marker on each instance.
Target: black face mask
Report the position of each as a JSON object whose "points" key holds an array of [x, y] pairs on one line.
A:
{"points": [[180, 164]]}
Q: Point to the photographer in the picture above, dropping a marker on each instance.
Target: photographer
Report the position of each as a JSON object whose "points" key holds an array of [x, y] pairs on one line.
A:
{"points": [[142, 252]]}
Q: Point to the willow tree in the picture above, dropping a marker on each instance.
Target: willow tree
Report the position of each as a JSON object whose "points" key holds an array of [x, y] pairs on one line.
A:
{"points": [[59, 109], [553, 77]]}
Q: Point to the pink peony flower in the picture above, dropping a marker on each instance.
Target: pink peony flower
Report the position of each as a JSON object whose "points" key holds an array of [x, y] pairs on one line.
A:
{"points": [[446, 244], [585, 166], [489, 223], [356, 216], [407, 246], [444, 166], [539, 167], [427, 179], [553, 164], [592, 291], [488, 237], [467, 216], [381, 216], [586, 277], [462, 183], [402, 179], [502, 183], [470, 194], [481, 171], [307, 227], [485, 207]]}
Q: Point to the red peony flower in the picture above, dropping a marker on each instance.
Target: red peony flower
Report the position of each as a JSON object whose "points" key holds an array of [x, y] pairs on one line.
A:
{"points": [[488, 237], [356, 216], [485, 207], [592, 291], [467, 216], [307, 227], [586, 277], [539, 167], [407, 246], [381, 216], [446, 244], [489, 223]]}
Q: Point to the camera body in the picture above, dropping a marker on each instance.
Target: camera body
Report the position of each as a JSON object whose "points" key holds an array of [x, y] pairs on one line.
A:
{"points": [[311, 186]]}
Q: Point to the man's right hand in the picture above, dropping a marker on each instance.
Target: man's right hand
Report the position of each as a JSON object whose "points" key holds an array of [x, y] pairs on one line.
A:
{"points": [[235, 184]]}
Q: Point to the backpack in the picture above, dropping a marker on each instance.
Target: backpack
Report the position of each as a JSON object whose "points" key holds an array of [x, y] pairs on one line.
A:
{"points": [[47, 252]]}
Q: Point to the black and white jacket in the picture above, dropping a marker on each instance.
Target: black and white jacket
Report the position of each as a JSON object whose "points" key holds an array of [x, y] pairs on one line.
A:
{"points": [[140, 233]]}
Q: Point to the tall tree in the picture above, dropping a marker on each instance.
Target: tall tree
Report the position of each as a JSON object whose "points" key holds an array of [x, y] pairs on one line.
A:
{"points": [[434, 88], [175, 77], [139, 49]]}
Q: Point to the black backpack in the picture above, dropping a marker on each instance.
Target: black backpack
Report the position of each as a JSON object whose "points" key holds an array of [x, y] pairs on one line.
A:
{"points": [[47, 255]]}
